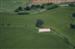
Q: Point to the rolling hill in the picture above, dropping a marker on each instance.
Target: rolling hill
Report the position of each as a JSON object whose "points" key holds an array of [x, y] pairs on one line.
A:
{"points": [[19, 31]]}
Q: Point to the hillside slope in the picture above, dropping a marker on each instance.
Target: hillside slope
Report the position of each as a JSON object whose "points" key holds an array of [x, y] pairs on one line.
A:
{"points": [[10, 5], [22, 33]]}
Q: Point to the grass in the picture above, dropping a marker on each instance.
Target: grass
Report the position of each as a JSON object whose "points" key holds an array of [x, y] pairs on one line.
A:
{"points": [[10, 5], [22, 33]]}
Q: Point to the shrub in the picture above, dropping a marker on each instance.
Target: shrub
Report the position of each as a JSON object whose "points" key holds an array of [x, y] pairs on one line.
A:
{"points": [[52, 7], [22, 13]]}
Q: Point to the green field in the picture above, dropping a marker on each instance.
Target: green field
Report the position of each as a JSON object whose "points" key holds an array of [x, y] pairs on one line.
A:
{"points": [[10, 5], [22, 33]]}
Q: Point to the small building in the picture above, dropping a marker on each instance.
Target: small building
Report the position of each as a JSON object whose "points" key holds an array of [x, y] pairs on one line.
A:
{"points": [[44, 30], [51, 1]]}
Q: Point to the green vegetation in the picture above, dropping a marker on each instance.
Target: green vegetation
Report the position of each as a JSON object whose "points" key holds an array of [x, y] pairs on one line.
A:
{"points": [[72, 4], [73, 15], [18, 31], [27, 8], [35, 8], [39, 23], [72, 26], [23, 13], [11, 5], [52, 7]]}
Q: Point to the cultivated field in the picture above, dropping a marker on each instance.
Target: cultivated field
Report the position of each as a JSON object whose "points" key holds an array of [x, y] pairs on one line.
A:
{"points": [[19, 31]]}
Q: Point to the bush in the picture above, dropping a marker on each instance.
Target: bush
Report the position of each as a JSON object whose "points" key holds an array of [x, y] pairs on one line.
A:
{"points": [[52, 7], [45, 5], [23, 13], [39, 23]]}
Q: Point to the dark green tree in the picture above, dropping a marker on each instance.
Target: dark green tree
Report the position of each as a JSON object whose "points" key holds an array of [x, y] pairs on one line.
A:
{"points": [[16, 10], [52, 7], [37, 6], [48, 4], [42, 6], [27, 8], [72, 4], [39, 23], [33, 6], [73, 15], [72, 26], [20, 8]]}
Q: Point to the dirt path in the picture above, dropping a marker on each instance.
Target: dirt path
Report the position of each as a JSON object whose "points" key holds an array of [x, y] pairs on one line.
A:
{"points": [[64, 37]]}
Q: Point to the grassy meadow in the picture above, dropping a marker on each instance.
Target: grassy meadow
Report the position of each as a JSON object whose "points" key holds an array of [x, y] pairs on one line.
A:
{"points": [[19, 31]]}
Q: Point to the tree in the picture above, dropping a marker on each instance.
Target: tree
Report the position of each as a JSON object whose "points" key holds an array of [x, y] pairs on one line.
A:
{"points": [[16, 10], [72, 26], [74, 47], [33, 6], [39, 23], [42, 6], [20, 8], [72, 4], [73, 15], [27, 8], [37, 6], [52, 7], [49, 4]]}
